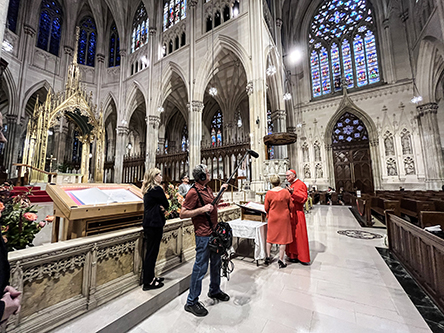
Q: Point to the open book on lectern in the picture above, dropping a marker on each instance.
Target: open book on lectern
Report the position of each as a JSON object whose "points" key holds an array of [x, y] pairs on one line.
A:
{"points": [[254, 206], [96, 196]]}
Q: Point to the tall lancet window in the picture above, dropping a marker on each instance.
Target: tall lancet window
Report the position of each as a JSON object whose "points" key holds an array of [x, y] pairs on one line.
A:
{"points": [[270, 127], [342, 44], [216, 129], [87, 42], [184, 144], [173, 12], [13, 10], [140, 28], [114, 47], [50, 26]]}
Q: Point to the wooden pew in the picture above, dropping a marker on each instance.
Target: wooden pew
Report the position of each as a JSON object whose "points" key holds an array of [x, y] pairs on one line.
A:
{"points": [[412, 208], [431, 218], [380, 205]]}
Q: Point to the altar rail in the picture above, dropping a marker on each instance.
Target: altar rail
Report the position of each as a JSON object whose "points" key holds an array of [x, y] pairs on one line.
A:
{"points": [[63, 280], [421, 253]]}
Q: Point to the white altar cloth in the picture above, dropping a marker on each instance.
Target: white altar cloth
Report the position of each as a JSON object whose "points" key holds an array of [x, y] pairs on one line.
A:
{"points": [[251, 230]]}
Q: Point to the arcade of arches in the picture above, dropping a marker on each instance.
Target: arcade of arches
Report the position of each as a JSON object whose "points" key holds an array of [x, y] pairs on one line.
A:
{"points": [[187, 82]]}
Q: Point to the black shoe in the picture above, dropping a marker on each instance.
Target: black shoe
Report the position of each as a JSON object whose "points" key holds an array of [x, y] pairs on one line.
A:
{"points": [[196, 309], [159, 279], [268, 260], [305, 263], [294, 261], [281, 264], [154, 285], [221, 296]]}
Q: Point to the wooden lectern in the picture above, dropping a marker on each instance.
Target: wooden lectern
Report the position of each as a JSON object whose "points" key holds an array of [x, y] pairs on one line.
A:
{"points": [[89, 209], [252, 211]]}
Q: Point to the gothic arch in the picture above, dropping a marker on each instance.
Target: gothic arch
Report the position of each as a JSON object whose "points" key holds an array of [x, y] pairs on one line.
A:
{"points": [[348, 106], [133, 101], [11, 90], [430, 67], [42, 84], [164, 92], [108, 101], [203, 76]]}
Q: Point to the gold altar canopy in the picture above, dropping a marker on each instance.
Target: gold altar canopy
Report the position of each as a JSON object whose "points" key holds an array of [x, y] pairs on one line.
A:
{"points": [[75, 103]]}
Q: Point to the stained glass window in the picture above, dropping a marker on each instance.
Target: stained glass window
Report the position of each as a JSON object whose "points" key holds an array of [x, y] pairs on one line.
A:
{"points": [[342, 43], [140, 28], [114, 47], [349, 128], [185, 138], [13, 10], [173, 12], [50, 26], [87, 42], [270, 127], [216, 129]]}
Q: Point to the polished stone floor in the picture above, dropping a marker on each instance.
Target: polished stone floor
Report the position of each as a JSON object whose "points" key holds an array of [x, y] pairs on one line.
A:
{"points": [[348, 288]]}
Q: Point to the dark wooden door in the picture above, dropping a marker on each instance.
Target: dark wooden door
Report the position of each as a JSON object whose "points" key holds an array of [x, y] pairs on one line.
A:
{"points": [[353, 169]]}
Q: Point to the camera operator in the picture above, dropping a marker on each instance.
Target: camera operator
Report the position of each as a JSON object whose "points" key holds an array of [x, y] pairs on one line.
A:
{"points": [[192, 208]]}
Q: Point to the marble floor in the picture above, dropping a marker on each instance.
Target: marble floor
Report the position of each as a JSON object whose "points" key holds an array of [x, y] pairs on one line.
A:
{"points": [[348, 288]]}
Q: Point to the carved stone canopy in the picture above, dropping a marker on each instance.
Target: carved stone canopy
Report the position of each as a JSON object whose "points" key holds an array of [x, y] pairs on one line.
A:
{"points": [[280, 139]]}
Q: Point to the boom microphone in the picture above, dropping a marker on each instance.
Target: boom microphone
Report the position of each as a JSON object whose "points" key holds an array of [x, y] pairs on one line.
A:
{"points": [[252, 153]]}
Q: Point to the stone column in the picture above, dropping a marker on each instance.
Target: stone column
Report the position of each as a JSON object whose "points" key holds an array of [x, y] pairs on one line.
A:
{"points": [[256, 90], [61, 145], [152, 123], [431, 144], [99, 75], [376, 165], [121, 98], [279, 118], [386, 43], [27, 59], [11, 136], [195, 132], [3, 16], [122, 137]]}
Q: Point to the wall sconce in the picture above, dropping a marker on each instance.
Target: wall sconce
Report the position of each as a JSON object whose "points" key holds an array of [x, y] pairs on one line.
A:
{"points": [[258, 120], [129, 146]]}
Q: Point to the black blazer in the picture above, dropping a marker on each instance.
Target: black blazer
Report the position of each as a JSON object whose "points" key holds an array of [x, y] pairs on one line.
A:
{"points": [[152, 200]]}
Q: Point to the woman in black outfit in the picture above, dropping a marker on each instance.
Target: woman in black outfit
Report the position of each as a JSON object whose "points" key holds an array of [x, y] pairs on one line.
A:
{"points": [[155, 204]]}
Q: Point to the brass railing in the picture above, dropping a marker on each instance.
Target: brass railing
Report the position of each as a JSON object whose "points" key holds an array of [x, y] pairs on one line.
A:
{"points": [[26, 174]]}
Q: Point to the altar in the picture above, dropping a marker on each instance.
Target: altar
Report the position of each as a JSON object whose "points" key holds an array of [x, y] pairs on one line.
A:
{"points": [[68, 178]]}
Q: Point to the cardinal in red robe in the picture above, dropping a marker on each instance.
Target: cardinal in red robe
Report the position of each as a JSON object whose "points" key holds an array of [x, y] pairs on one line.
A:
{"points": [[298, 250]]}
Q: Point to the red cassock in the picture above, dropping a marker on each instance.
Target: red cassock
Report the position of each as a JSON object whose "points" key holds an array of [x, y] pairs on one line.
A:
{"points": [[299, 249]]}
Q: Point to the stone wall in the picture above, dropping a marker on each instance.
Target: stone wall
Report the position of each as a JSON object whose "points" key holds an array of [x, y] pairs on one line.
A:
{"points": [[63, 280]]}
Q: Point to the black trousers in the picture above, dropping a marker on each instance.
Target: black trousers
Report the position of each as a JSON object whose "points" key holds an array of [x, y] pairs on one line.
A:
{"points": [[153, 236]]}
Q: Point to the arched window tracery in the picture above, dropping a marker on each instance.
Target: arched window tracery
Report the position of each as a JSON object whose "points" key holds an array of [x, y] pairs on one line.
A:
{"points": [[348, 129], [216, 129], [139, 35], [185, 142], [50, 26], [87, 42], [114, 47], [342, 44], [173, 12]]}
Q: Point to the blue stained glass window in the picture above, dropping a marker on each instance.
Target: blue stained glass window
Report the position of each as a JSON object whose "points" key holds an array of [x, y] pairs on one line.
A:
{"points": [[216, 129], [345, 29], [355, 130], [173, 12], [87, 42], [13, 10], [140, 28], [185, 141], [114, 47], [50, 27]]}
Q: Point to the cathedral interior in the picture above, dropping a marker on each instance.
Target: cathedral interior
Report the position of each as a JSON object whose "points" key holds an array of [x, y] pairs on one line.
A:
{"points": [[358, 84]]}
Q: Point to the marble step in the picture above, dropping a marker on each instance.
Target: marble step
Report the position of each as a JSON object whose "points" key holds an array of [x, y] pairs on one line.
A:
{"points": [[128, 310]]}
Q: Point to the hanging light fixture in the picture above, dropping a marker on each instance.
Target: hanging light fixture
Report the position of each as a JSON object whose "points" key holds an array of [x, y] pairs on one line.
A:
{"points": [[213, 89], [417, 98], [239, 120], [287, 96], [271, 70]]}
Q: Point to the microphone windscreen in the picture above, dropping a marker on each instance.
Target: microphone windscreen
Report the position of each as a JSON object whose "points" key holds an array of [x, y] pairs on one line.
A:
{"points": [[253, 153]]}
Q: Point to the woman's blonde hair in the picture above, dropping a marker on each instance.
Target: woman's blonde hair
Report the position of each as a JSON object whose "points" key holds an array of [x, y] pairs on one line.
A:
{"points": [[148, 180], [275, 180]]}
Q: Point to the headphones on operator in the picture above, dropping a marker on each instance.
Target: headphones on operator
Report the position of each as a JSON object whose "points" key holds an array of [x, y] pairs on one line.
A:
{"points": [[202, 174]]}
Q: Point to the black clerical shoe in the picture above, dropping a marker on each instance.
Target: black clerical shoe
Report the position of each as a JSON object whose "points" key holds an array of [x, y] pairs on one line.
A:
{"points": [[281, 264], [221, 296], [196, 309], [305, 263], [159, 279], [153, 285], [294, 261]]}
